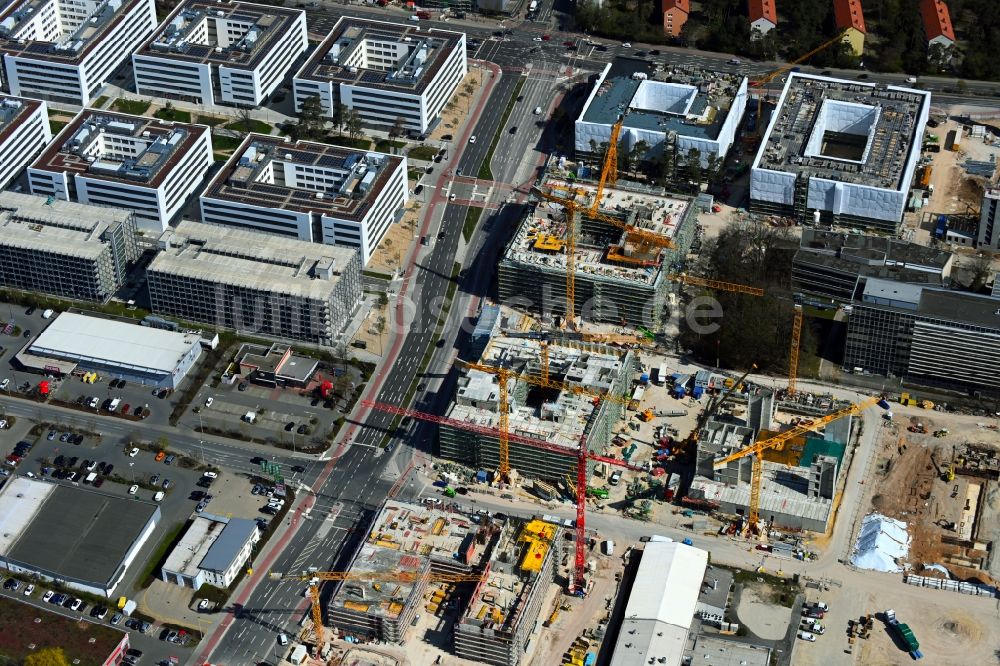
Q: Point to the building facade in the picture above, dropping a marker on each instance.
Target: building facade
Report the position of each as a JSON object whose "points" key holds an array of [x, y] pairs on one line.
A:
{"points": [[937, 23], [675, 15], [849, 16], [109, 159], [926, 336], [309, 191], [233, 53], [386, 72], [255, 283], [24, 132], [763, 17], [65, 50], [65, 249], [988, 233], [213, 551]]}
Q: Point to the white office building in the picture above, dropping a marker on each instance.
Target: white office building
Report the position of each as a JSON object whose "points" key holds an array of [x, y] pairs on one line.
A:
{"points": [[385, 71], [840, 152], [310, 191], [66, 50], [24, 132], [213, 551], [233, 53], [677, 110], [110, 159]]}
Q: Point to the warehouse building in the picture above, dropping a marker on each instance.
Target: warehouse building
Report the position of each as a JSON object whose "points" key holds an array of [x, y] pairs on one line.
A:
{"points": [[678, 109], [839, 152], [255, 283], [504, 608], [111, 159], [837, 265], [234, 53], [926, 336], [140, 354], [213, 551], [416, 540], [65, 249], [619, 279], [555, 420], [65, 51], [76, 536], [661, 605], [309, 191], [385, 72], [24, 132]]}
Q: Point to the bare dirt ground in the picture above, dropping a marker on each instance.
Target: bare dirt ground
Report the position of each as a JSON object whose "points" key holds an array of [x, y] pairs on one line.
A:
{"points": [[456, 110], [764, 618], [396, 243], [950, 637]]}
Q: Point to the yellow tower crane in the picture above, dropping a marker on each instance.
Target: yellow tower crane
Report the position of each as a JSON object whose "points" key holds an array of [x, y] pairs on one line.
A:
{"points": [[316, 577], [793, 354], [757, 451], [716, 284], [609, 169]]}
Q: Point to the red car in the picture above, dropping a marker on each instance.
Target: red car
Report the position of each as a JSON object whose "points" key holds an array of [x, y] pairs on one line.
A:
{"points": [[546, 38], [569, 44], [126, 408]]}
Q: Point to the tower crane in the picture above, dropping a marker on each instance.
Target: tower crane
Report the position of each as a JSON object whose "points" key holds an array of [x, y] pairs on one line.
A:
{"points": [[583, 455], [716, 284], [793, 354], [757, 451], [692, 439], [609, 169], [315, 577]]}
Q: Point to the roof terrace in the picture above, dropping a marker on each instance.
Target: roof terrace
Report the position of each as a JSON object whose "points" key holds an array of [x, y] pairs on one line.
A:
{"points": [[58, 29]]}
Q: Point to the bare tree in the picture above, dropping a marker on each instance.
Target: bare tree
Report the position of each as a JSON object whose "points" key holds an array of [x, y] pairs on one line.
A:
{"points": [[354, 124]]}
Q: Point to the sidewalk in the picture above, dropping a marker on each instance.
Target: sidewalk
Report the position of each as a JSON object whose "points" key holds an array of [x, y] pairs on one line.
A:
{"points": [[305, 501]]}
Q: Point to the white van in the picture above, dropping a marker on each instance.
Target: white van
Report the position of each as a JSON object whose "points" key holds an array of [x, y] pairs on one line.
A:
{"points": [[47, 314], [537, 111], [158, 497]]}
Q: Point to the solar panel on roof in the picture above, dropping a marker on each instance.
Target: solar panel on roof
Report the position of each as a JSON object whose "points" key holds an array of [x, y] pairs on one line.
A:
{"points": [[372, 77], [331, 161]]}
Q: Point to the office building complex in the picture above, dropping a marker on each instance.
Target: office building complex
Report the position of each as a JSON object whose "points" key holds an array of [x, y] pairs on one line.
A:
{"points": [[255, 283], [66, 50], [835, 265], [309, 191], [65, 249], [110, 159], [557, 420], [24, 132], [231, 52], [385, 72], [618, 278], [678, 110], [840, 152], [926, 336]]}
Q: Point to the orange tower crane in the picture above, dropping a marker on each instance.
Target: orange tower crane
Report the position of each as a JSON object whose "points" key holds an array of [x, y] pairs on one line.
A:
{"points": [[757, 451], [716, 284], [578, 586]]}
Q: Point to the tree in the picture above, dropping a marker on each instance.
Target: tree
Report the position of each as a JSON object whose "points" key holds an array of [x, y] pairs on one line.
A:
{"points": [[311, 121], [53, 656], [244, 119], [397, 130], [980, 270], [338, 114], [713, 167], [354, 124], [692, 166]]}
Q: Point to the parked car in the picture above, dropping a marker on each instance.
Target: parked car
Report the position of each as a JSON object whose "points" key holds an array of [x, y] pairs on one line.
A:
{"points": [[47, 597], [806, 636], [51, 435], [170, 459], [116, 618], [133, 490], [133, 453], [160, 456], [28, 591], [203, 605]]}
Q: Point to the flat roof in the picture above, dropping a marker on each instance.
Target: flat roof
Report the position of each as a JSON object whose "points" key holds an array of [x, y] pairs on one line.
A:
{"points": [[253, 260], [884, 250], [558, 419], [418, 53], [980, 310], [711, 650], [690, 101], [80, 533], [223, 552], [248, 177], [241, 35], [14, 111], [19, 34], [156, 145], [878, 126], [774, 497], [661, 605], [85, 642], [198, 538], [21, 499], [56, 226], [83, 338]]}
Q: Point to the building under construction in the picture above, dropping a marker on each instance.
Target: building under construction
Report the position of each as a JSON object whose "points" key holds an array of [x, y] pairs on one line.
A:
{"points": [[413, 539], [503, 611], [554, 418], [618, 279]]}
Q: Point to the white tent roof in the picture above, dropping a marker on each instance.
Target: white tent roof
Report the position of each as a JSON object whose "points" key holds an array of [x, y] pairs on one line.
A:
{"points": [[881, 543]]}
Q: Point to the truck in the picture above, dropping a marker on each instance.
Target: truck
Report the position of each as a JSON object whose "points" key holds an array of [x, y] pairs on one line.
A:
{"points": [[661, 374], [925, 175], [599, 493], [904, 633]]}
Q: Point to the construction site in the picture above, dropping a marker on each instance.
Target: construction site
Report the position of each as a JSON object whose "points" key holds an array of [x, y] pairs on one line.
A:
{"points": [[624, 240]]}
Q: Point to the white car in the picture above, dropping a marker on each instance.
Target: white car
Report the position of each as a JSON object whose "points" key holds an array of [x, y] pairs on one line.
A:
{"points": [[282, 639], [472, 139], [822, 606], [4, 383], [133, 453], [48, 595], [451, 197], [806, 636], [29, 590], [211, 475], [3, 424], [209, 401], [537, 39], [76, 604], [203, 605], [626, 45], [133, 490]]}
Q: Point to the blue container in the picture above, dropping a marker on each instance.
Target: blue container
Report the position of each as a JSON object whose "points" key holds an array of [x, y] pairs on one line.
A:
{"points": [[481, 476], [883, 404], [644, 378]]}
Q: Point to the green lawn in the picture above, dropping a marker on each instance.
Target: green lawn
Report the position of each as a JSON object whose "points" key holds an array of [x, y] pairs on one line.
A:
{"points": [[485, 172], [471, 220], [386, 146], [57, 125], [361, 144], [211, 121], [427, 153], [220, 157], [100, 102], [175, 115], [414, 174], [225, 142], [257, 126], [136, 107]]}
